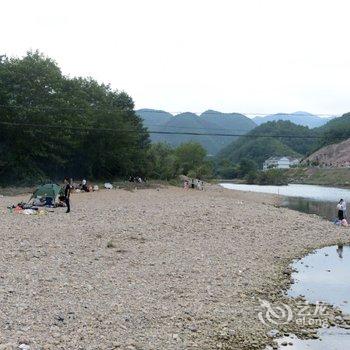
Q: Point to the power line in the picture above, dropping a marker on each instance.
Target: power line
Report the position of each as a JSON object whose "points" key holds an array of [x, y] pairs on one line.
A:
{"points": [[67, 108], [153, 132], [88, 108], [96, 108], [196, 128], [82, 110], [230, 113]]}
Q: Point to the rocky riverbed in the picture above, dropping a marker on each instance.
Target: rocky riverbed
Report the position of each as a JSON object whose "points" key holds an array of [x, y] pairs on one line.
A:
{"points": [[153, 269]]}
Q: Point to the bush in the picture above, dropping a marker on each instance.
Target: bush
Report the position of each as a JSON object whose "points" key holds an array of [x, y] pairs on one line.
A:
{"points": [[272, 177], [245, 167], [252, 177]]}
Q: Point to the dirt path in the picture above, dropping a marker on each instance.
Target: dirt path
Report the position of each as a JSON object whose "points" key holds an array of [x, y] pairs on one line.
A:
{"points": [[148, 269]]}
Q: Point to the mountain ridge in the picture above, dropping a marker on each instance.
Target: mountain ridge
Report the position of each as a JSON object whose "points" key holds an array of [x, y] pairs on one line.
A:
{"points": [[299, 118], [208, 122]]}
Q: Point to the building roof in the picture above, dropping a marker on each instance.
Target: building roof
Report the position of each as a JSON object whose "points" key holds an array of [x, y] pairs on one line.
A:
{"points": [[276, 159]]}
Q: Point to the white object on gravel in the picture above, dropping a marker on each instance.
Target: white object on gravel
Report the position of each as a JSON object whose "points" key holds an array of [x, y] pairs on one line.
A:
{"points": [[29, 212], [24, 347]]}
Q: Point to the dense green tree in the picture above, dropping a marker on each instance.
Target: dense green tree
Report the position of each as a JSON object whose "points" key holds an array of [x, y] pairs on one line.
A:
{"points": [[225, 168], [162, 161], [245, 167], [272, 177], [189, 156], [26, 86], [54, 125]]}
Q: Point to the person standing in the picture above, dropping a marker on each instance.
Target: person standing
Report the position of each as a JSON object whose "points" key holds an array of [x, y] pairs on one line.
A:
{"points": [[67, 190], [341, 206], [344, 209]]}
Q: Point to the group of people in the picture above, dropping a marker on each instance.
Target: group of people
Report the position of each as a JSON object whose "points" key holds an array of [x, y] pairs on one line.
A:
{"points": [[137, 179], [194, 183], [341, 207]]}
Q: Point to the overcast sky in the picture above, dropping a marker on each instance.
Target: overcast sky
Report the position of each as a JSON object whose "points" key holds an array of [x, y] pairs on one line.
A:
{"points": [[249, 56]]}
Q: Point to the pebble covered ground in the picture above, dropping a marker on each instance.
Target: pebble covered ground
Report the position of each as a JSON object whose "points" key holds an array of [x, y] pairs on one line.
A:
{"points": [[149, 269]]}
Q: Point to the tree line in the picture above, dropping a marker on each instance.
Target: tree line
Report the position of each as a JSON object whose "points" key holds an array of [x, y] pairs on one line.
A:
{"points": [[52, 126]]}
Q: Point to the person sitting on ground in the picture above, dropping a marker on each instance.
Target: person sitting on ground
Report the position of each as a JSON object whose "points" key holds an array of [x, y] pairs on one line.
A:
{"points": [[84, 186]]}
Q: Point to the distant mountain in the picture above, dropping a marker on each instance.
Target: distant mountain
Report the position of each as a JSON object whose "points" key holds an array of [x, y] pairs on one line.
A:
{"points": [[209, 122], [153, 118], [231, 122], [300, 118], [276, 138]]}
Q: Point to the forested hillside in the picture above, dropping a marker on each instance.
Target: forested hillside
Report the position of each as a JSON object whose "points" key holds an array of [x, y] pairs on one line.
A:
{"points": [[281, 138], [178, 129], [334, 131]]}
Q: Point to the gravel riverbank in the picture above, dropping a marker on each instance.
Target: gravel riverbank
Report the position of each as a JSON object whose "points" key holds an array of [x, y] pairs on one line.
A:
{"points": [[149, 269]]}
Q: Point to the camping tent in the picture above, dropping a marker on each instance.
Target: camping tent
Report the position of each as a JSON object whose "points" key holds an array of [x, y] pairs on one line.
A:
{"points": [[50, 190]]}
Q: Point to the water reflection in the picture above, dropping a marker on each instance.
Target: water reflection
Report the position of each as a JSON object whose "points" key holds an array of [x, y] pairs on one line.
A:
{"points": [[319, 193], [340, 250], [309, 199], [326, 210], [330, 339], [324, 276]]}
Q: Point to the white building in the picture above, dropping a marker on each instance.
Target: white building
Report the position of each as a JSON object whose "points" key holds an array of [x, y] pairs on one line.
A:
{"points": [[280, 162]]}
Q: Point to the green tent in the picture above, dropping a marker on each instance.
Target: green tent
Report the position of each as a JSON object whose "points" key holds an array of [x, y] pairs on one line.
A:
{"points": [[48, 190]]}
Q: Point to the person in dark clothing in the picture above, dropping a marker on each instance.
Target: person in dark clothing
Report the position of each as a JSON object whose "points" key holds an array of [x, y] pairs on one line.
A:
{"points": [[67, 190], [341, 206], [84, 186]]}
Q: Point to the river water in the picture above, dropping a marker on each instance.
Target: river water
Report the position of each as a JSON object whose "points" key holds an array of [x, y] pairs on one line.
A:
{"points": [[309, 199], [323, 275]]}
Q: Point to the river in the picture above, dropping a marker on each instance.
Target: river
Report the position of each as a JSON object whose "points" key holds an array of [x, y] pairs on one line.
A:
{"points": [[309, 199], [322, 275]]}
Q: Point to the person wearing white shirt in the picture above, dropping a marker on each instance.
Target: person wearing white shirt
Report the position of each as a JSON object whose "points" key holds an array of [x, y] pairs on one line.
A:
{"points": [[341, 206]]}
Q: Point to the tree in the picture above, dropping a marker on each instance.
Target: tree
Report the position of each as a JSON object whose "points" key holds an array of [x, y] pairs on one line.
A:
{"points": [[191, 160], [162, 161], [26, 86], [246, 166], [272, 177], [67, 126]]}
